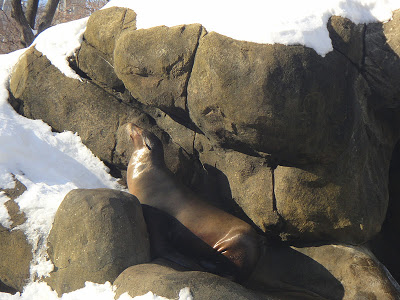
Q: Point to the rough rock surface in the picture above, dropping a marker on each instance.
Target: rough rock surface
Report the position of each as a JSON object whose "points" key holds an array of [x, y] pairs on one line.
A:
{"points": [[15, 251], [386, 244], [164, 280], [293, 114], [284, 94], [156, 70], [357, 269], [382, 63], [329, 271], [96, 234], [96, 54]]}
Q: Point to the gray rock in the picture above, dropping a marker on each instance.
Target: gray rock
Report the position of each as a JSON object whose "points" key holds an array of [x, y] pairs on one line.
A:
{"points": [[104, 27], [329, 271], [98, 67], [386, 245], [155, 65], [319, 190], [96, 234], [348, 39], [164, 280], [40, 91], [96, 55], [382, 62], [15, 251], [336, 202], [6, 289], [244, 178], [275, 99]]}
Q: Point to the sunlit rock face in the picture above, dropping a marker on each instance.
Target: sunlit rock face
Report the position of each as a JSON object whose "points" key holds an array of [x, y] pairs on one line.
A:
{"points": [[297, 144], [96, 235]]}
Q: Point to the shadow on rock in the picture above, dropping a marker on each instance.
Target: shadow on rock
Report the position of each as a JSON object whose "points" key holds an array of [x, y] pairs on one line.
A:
{"points": [[282, 268]]}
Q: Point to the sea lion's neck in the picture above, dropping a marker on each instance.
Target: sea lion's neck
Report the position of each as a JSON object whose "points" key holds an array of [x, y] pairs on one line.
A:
{"points": [[155, 186], [138, 163]]}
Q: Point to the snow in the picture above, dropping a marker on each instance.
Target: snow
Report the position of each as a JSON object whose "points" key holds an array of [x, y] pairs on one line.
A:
{"points": [[61, 41], [5, 220], [51, 164], [41, 291], [287, 22]]}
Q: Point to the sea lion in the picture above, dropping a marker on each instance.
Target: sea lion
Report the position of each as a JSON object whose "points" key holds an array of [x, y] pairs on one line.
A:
{"points": [[154, 185]]}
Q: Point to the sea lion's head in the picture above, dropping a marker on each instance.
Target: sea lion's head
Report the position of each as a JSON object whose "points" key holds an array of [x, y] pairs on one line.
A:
{"points": [[145, 144]]}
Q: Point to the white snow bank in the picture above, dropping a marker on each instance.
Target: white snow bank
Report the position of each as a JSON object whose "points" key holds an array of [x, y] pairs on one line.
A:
{"points": [[262, 21], [41, 291]]}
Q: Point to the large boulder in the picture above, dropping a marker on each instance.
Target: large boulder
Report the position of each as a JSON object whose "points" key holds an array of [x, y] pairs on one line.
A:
{"points": [[347, 200], [96, 234], [105, 26], [163, 279], [272, 98], [96, 55], [339, 272], [323, 139], [15, 251], [155, 65]]}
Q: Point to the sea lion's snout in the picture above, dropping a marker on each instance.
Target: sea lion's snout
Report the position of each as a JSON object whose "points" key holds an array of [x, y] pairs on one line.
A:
{"points": [[138, 136], [133, 130]]}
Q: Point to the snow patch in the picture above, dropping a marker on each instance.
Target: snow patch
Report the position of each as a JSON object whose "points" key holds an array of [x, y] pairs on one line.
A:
{"points": [[40, 291], [6, 180], [5, 219], [59, 42]]}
